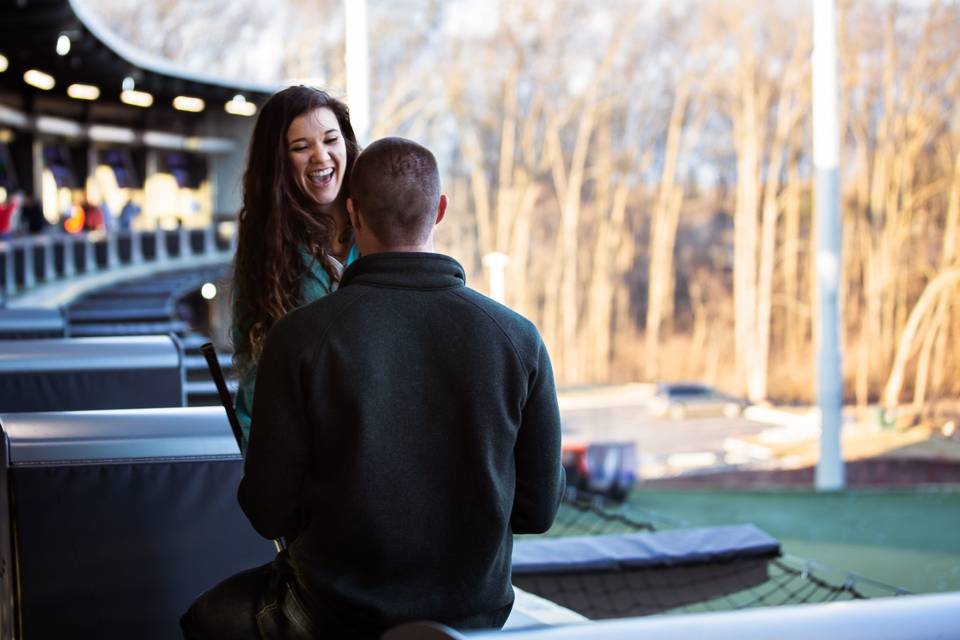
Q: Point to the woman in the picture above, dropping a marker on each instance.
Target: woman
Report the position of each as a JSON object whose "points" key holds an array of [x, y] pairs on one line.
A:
{"points": [[294, 233]]}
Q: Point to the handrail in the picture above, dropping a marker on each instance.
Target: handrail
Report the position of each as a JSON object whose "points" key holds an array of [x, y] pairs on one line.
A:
{"points": [[50, 269], [923, 617]]}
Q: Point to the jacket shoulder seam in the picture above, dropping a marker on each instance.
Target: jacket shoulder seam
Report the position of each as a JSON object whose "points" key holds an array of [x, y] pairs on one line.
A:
{"points": [[506, 334], [319, 345]]}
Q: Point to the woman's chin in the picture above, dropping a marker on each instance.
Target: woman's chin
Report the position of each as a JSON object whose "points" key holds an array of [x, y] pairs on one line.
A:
{"points": [[323, 197]]}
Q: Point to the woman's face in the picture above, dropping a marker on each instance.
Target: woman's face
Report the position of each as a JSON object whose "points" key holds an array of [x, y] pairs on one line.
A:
{"points": [[318, 154]]}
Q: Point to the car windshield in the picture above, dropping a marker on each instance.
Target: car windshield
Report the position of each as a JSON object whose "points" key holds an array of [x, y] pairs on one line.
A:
{"points": [[688, 390]]}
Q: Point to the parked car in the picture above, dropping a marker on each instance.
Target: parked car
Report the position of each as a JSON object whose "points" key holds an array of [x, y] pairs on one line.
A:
{"points": [[679, 400]]}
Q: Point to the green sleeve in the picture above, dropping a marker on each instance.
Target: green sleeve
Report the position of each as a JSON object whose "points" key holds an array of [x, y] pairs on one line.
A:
{"points": [[244, 406], [243, 400]]}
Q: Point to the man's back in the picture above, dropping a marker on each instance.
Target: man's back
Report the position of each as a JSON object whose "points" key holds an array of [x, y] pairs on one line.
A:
{"points": [[418, 428]]}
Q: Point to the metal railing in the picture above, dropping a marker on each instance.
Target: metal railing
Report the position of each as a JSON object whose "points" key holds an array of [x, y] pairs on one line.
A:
{"points": [[31, 263], [922, 617]]}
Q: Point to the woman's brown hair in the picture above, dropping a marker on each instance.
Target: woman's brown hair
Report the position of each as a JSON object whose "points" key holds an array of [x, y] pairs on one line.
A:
{"points": [[277, 220]]}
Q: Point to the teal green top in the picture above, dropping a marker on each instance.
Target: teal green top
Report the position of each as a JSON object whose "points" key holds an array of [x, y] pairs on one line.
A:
{"points": [[316, 284]]}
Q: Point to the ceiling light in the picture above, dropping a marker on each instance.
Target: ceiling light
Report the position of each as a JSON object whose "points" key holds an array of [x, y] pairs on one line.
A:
{"points": [[63, 44], [83, 91], [4, 63], [39, 79], [108, 133], [128, 84], [187, 103], [240, 107], [136, 98], [58, 126], [208, 291]]}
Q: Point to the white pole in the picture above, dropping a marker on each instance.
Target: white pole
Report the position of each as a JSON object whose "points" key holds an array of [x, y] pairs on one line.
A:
{"points": [[496, 263], [358, 67], [826, 139]]}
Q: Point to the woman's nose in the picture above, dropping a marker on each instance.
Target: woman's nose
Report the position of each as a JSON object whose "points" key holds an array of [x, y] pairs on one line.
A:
{"points": [[319, 153]]}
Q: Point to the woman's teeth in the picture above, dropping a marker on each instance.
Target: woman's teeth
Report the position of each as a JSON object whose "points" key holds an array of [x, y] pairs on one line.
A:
{"points": [[320, 175]]}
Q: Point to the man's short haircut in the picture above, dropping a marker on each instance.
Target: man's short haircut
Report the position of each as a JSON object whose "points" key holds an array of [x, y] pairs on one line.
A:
{"points": [[395, 184]]}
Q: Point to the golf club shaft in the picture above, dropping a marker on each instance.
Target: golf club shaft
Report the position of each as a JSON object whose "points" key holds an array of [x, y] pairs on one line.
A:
{"points": [[216, 372]]}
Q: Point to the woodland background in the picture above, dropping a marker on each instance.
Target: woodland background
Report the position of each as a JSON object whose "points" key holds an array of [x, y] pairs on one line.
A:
{"points": [[647, 168]]}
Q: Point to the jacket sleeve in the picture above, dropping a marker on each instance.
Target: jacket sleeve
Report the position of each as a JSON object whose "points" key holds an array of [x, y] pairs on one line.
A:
{"points": [[276, 459], [539, 472]]}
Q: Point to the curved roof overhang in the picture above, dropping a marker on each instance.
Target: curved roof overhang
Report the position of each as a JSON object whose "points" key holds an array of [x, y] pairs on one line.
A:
{"points": [[29, 30]]}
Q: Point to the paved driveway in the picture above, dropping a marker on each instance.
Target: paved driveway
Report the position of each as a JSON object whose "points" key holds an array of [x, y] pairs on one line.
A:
{"points": [[663, 446]]}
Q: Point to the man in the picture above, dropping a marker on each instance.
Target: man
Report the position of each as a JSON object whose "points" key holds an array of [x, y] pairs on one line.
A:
{"points": [[404, 428], [33, 214], [129, 211]]}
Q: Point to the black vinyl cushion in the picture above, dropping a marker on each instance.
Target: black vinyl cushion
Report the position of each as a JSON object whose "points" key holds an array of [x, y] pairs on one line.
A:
{"points": [[121, 550], [87, 390]]}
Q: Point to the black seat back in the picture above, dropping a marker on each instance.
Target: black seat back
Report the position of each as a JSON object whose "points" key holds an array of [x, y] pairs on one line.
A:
{"points": [[31, 323], [118, 520], [79, 374]]}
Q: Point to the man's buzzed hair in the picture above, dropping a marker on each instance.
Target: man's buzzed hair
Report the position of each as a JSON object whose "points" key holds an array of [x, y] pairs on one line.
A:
{"points": [[395, 184]]}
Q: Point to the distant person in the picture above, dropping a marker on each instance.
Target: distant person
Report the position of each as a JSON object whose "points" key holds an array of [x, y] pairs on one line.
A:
{"points": [[128, 214], [74, 219], [32, 214], [106, 215], [10, 215], [404, 428], [294, 233], [92, 217]]}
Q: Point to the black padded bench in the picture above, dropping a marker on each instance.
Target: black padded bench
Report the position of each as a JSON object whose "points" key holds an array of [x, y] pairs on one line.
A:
{"points": [[120, 311], [31, 323], [117, 520], [91, 373], [614, 576], [97, 329]]}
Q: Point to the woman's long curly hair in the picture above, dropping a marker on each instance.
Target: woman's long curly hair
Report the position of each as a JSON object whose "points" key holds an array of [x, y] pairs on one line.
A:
{"points": [[278, 219]]}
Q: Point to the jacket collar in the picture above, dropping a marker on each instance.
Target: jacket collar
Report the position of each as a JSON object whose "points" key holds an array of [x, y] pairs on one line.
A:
{"points": [[405, 270]]}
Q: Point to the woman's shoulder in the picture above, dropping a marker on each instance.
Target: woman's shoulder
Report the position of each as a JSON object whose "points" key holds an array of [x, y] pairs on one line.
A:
{"points": [[317, 281]]}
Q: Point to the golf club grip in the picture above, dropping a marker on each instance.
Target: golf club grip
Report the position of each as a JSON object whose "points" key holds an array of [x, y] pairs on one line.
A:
{"points": [[217, 373]]}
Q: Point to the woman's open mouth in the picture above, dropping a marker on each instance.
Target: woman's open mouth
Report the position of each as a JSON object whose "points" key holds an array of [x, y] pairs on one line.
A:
{"points": [[320, 177]]}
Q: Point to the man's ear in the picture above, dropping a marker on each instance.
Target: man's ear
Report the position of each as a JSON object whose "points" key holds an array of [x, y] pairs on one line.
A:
{"points": [[352, 213], [441, 208]]}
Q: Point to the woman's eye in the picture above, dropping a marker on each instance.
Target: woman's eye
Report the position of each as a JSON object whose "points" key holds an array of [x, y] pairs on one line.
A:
{"points": [[331, 140], [300, 148]]}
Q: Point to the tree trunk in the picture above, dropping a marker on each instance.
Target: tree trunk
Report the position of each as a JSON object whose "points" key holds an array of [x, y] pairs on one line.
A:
{"points": [[949, 257], [936, 287], [663, 233]]}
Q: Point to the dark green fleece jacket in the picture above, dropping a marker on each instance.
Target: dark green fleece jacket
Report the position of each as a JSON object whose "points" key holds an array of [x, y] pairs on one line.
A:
{"points": [[404, 428]]}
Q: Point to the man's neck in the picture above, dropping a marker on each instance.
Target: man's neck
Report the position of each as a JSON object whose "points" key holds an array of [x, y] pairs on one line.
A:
{"points": [[377, 247]]}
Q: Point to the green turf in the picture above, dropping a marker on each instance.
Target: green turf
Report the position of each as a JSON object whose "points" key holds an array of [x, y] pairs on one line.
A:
{"points": [[905, 538]]}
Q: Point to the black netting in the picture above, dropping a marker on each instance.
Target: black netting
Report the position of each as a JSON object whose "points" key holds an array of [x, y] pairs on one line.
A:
{"points": [[591, 517]]}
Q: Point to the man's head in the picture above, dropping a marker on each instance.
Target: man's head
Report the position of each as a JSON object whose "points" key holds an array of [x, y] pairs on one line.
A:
{"points": [[395, 197]]}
